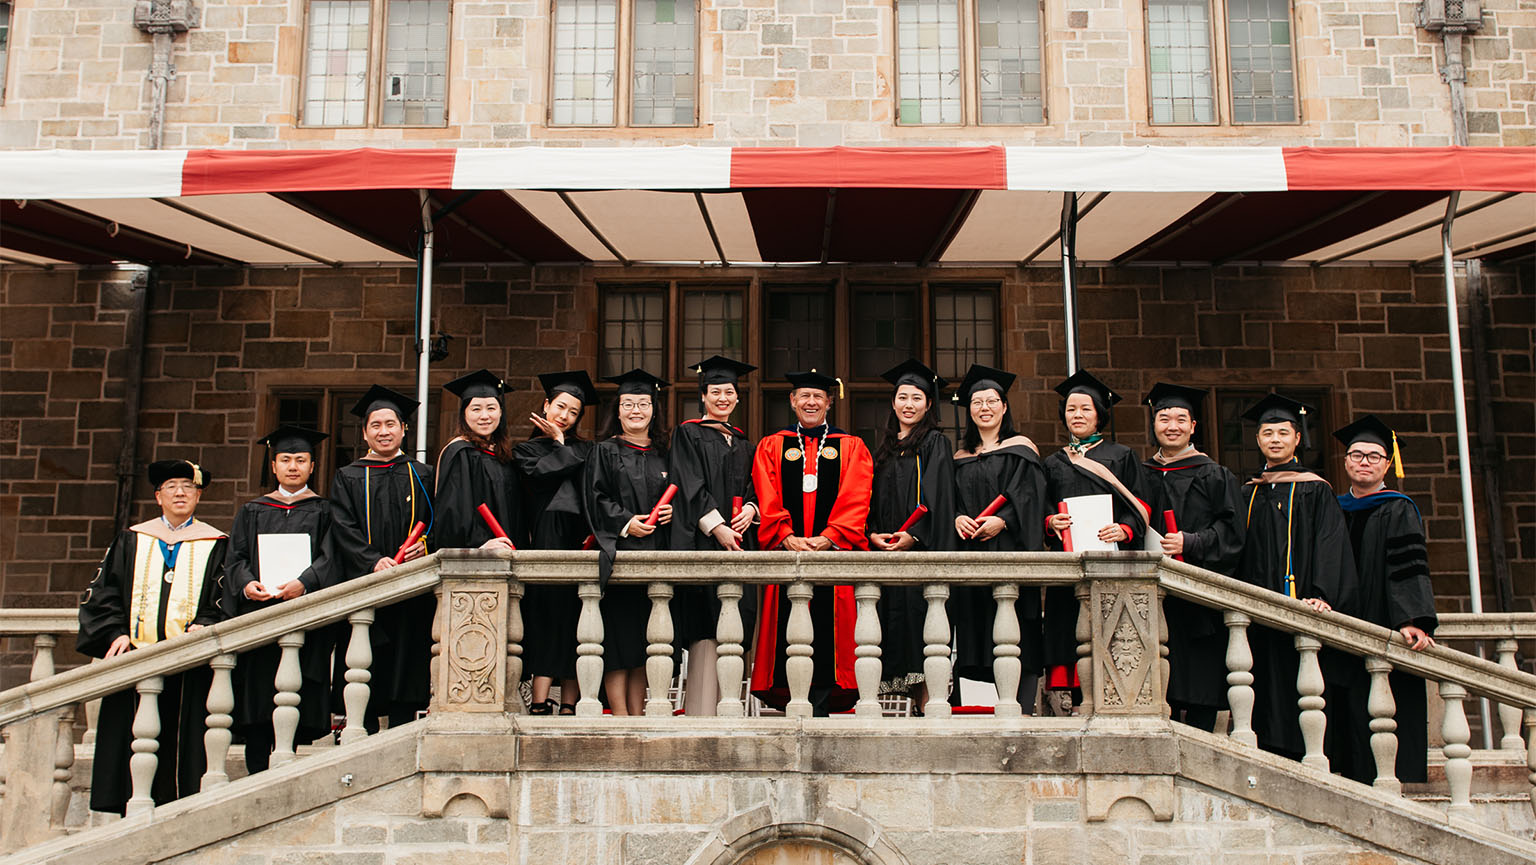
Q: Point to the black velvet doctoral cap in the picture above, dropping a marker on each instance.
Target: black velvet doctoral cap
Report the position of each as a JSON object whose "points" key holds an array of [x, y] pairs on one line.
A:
{"points": [[812, 378], [170, 470], [917, 374], [288, 439], [1165, 395], [636, 381], [575, 382], [379, 397], [1367, 429], [980, 377], [475, 385], [720, 370]]}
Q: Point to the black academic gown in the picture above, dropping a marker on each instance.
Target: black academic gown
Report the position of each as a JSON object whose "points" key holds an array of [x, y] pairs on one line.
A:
{"points": [[1063, 481], [619, 481], [468, 477], [924, 475], [256, 669], [552, 512], [1013, 471], [709, 472], [1204, 499], [1308, 513], [1386, 534], [104, 616], [374, 504]]}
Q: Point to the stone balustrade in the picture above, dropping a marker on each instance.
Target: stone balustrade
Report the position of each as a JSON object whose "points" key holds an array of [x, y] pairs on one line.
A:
{"points": [[1123, 664]]}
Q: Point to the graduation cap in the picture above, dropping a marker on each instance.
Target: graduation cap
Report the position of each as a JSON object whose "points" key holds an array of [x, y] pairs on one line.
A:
{"points": [[1370, 428], [288, 439], [917, 374], [636, 381], [575, 382], [980, 377], [170, 470], [720, 370], [1164, 395], [1275, 408], [476, 385], [1086, 382], [379, 397], [818, 380]]}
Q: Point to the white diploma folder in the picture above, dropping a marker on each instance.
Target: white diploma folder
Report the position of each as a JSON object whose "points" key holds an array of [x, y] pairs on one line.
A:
{"points": [[1089, 514], [280, 558]]}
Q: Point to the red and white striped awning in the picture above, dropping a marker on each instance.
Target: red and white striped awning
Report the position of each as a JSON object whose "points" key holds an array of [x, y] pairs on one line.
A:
{"points": [[689, 204]]}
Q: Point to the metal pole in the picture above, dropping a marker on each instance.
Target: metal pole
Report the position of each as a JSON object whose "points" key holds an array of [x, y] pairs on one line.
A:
{"points": [[424, 326], [1463, 448], [1068, 284]]}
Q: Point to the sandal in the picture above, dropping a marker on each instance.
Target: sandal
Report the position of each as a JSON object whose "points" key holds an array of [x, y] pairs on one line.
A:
{"points": [[567, 708], [545, 708]]}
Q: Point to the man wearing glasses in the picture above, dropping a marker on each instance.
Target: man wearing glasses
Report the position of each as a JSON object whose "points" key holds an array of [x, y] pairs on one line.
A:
{"points": [[1386, 534]]}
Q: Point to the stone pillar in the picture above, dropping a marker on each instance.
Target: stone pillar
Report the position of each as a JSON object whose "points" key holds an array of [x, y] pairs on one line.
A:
{"points": [[1124, 627], [471, 670]]}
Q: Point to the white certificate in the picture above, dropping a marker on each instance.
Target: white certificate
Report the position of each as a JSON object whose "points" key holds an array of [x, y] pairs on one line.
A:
{"points": [[281, 558], [1089, 514], [1153, 543]]}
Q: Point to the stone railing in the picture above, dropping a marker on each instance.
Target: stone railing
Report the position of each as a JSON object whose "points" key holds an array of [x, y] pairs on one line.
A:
{"points": [[1506, 632], [479, 629]]}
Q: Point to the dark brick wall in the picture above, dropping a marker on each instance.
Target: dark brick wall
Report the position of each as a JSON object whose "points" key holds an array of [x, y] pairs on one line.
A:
{"points": [[219, 341]]}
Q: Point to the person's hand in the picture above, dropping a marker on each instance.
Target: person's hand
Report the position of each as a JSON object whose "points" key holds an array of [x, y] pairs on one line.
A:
{"points": [[290, 590], [743, 521], [989, 528], [638, 528], [255, 591], [1113, 533], [497, 544], [119, 646], [1317, 604], [819, 544], [547, 428], [901, 541], [795, 543], [194, 627], [416, 551], [383, 563], [727, 537], [664, 515], [1059, 523], [965, 527], [880, 540], [1417, 639], [1173, 543]]}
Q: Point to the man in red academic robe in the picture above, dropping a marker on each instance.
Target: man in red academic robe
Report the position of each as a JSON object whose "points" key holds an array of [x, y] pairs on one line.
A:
{"points": [[812, 481]]}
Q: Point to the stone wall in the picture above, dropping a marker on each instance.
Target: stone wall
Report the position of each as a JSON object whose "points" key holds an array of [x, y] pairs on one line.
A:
{"points": [[779, 72], [219, 341]]}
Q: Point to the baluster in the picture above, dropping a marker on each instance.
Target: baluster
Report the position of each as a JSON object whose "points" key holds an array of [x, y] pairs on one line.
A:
{"points": [[658, 654], [1509, 716], [63, 765], [515, 646], [5, 741], [866, 636], [1383, 708], [287, 682], [730, 666], [1084, 636], [1530, 754], [355, 694], [798, 634], [221, 701], [1309, 685], [1006, 667], [1240, 678], [1456, 732], [42, 656], [1163, 670], [92, 716], [146, 741], [589, 650], [937, 666]]}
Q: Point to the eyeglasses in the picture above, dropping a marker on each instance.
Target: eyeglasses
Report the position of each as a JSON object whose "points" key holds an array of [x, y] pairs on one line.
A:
{"points": [[633, 406], [1363, 457], [994, 402], [177, 487]]}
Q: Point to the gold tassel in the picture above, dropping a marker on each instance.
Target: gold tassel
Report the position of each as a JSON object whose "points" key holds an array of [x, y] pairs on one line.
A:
{"points": [[1397, 457], [840, 389]]}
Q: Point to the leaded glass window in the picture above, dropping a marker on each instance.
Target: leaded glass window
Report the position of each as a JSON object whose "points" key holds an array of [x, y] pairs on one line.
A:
{"points": [[663, 63], [1179, 61], [586, 47], [1261, 60], [415, 63], [1009, 76], [336, 70], [928, 81]]}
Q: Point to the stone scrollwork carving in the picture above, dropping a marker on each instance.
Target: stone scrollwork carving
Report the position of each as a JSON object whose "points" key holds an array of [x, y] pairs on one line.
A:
{"points": [[474, 649], [1125, 637]]}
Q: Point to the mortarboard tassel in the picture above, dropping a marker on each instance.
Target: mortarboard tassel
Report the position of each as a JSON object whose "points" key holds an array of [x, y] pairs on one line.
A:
{"points": [[1397, 458], [840, 389]]}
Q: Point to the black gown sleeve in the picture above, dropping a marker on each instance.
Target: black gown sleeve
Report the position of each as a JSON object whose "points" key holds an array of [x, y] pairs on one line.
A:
{"points": [[240, 562], [1410, 594], [356, 556], [602, 492], [104, 608], [455, 501], [1026, 490], [694, 499], [212, 605], [936, 530], [1333, 559], [321, 571], [1218, 546]]}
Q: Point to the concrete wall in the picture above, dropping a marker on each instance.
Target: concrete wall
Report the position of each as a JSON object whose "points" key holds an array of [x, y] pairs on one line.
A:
{"points": [[785, 72]]}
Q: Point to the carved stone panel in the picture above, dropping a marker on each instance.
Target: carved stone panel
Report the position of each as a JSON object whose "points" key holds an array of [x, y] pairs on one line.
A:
{"points": [[472, 675], [1125, 647]]}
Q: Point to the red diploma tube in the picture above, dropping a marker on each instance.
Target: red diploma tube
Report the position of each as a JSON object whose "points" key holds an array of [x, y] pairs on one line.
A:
{"points": [[736, 505], [1066, 534], [490, 523], [410, 540], [589, 542], [922, 511], [660, 503], [992, 509], [1172, 525]]}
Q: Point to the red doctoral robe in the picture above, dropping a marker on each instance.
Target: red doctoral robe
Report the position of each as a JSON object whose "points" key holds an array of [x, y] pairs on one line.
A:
{"points": [[837, 510]]}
